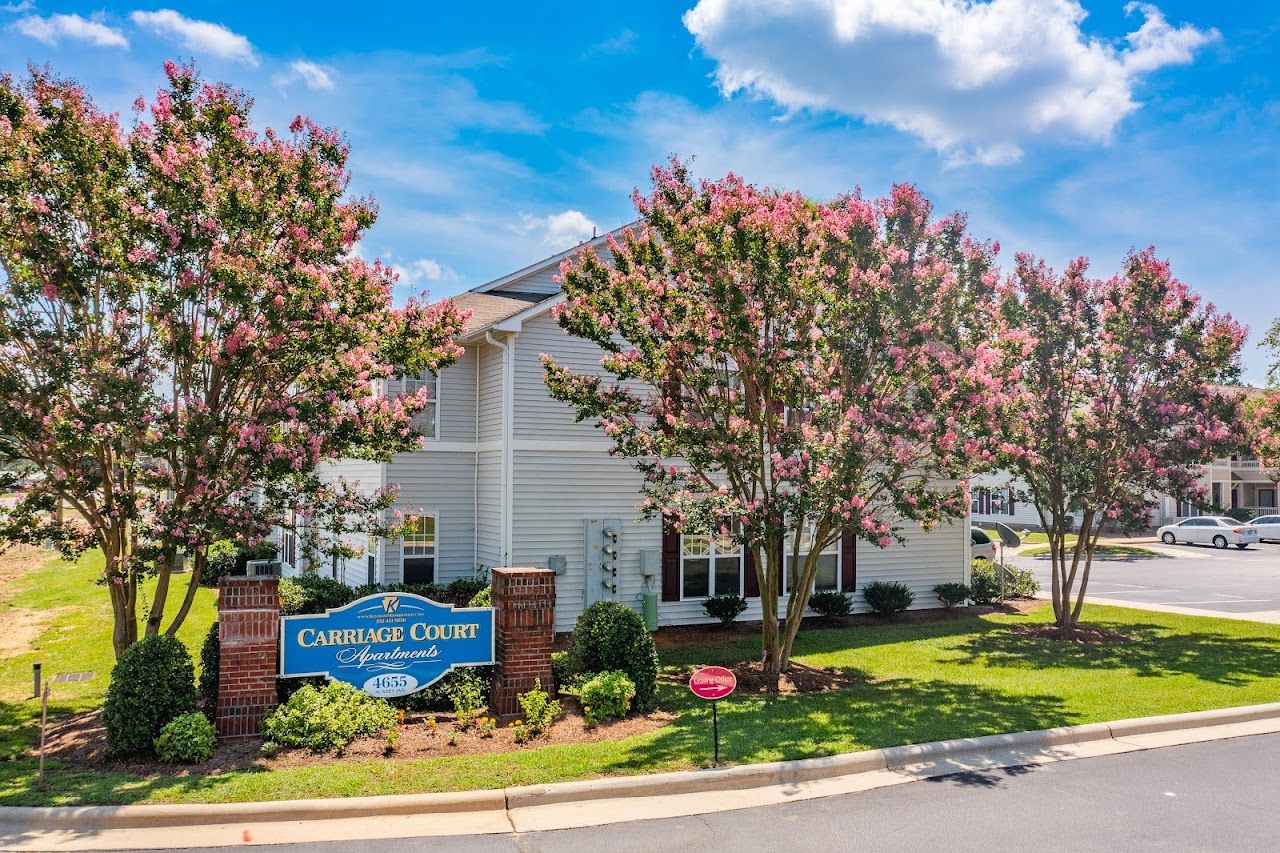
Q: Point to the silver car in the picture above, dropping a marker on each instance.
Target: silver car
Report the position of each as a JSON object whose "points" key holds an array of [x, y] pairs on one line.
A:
{"points": [[1268, 527], [1210, 530]]}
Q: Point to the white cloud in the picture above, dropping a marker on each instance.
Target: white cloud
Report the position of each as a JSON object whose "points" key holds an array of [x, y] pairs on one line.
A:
{"points": [[52, 29], [558, 230], [623, 42], [313, 76], [23, 6], [199, 36], [423, 270], [973, 80]]}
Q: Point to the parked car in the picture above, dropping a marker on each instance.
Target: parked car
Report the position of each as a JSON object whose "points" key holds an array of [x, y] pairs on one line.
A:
{"points": [[1210, 530], [983, 547], [1268, 527]]}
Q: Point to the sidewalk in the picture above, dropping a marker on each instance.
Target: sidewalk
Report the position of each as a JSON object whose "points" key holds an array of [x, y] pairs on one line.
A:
{"points": [[604, 801]]}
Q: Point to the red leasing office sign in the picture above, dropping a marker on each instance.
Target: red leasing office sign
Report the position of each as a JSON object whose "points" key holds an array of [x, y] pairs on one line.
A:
{"points": [[713, 682]]}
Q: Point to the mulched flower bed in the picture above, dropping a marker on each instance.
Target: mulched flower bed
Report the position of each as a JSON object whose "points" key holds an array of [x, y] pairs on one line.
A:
{"points": [[1085, 635], [79, 741]]}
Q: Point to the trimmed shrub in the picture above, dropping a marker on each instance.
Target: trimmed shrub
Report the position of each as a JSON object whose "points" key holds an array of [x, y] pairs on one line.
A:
{"points": [[831, 603], [210, 650], [313, 594], [220, 562], [611, 636], [483, 598], [329, 717], [887, 598], [984, 583], [188, 739], [467, 698], [561, 670], [439, 696], [606, 696], [153, 682], [462, 590], [951, 594], [725, 607], [1019, 583]]}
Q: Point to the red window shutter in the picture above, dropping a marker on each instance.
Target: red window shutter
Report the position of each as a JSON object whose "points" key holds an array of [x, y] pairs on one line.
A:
{"points": [[670, 563], [750, 583], [848, 561]]}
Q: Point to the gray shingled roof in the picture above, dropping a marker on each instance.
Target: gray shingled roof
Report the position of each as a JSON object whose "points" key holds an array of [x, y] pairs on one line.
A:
{"points": [[490, 308]]}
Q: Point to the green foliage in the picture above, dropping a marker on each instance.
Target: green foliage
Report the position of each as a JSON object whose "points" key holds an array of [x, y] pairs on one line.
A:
{"points": [[313, 594], [540, 710], [951, 594], [152, 683], [329, 717], [726, 608], [611, 636], [463, 590], [831, 603], [467, 698], [210, 650], [886, 598], [606, 696], [483, 598], [984, 582], [561, 670], [188, 739], [439, 696]]}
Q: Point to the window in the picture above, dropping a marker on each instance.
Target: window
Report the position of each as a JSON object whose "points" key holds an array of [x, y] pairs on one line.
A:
{"points": [[288, 540], [420, 550], [427, 421], [828, 576], [1267, 498], [1186, 510], [710, 565], [989, 501]]}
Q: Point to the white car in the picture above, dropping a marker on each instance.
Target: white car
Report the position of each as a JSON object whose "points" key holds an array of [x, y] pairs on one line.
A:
{"points": [[1210, 530], [1268, 527], [983, 548]]}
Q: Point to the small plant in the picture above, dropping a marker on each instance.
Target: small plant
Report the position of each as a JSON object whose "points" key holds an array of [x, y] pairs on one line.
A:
{"points": [[540, 710], [210, 650], [606, 696], [486, 726], [432, 726], [328, 717], [831, 603], [269, 748], [519, 731], [453, 736], [188, 739], [608, 636], [887, 598], [152, 683], [726, 608], [393, 740], [468, 701], [951, 594], [562, 671], [483, 598]]}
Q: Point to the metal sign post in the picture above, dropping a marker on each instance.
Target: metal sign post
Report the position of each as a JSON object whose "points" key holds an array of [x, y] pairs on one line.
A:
{"points": [[713, 683]]}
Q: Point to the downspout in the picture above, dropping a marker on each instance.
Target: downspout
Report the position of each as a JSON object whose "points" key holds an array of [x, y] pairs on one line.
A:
{"points": [[475, 478], [508, 422]]}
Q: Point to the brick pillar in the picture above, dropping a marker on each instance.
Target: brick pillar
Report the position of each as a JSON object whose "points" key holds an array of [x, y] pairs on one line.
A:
{"points": [[524, 603], [249, 633]]}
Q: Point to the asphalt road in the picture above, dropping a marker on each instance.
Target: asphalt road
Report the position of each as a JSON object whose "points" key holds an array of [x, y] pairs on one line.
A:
{"points": [[1197, 577], [1218, 796]]}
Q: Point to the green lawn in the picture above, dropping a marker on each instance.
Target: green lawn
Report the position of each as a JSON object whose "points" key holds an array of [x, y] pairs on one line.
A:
{"points": [[1100, 551], [923, 682]]}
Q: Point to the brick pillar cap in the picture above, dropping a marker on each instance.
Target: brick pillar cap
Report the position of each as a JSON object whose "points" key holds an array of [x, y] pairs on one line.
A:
{"points": [[236, 580], [520, 570]]}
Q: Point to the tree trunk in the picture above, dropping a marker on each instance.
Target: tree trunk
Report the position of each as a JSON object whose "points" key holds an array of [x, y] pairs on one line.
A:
{"points": [[164, 567], [199, 560], [768, 573]]}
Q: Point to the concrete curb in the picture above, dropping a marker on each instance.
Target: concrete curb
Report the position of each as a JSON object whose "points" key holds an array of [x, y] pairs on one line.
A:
{"points": [[738, 778]]}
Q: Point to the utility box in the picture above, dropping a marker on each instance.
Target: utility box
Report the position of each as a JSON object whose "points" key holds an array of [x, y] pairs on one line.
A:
{"points": [[602, 547]]}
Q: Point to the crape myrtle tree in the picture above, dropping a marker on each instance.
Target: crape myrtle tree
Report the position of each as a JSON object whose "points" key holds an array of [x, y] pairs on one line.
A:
{"points": [[1263, 409], [1116, 398], [186, 333], [773, 365]]}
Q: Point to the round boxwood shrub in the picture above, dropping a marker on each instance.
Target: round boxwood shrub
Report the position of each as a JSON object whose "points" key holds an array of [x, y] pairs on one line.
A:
{"points": [[831, 603], [886, 598], [483, 598], [951, 594], [188, 739], [611, 636], [606, 696], [209, 663], [153, 682], [726, 607]]}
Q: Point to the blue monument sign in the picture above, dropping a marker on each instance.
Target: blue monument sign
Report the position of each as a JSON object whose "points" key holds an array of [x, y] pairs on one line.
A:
{"points": [[389, 644]]}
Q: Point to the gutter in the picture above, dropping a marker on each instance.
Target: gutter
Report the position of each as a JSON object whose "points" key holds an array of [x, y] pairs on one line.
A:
{"points": [[508, 427]]}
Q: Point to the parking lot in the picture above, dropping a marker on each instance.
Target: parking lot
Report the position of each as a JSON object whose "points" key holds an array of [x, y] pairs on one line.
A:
{"points": [[1186, 578]]}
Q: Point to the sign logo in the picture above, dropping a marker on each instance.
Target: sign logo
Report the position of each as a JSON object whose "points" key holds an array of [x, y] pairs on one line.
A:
{"points": [[713, 682], [387, 645]]}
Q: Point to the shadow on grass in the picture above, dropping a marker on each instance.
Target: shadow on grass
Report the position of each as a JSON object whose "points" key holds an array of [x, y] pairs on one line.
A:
{"points": [[1152, 651], [868, 716]]}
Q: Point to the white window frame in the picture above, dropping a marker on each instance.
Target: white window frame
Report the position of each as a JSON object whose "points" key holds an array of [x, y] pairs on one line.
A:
{"points": [[418, 551], [412, 384], [289, 540], [833, 548], [992, 494], [714, 552]]}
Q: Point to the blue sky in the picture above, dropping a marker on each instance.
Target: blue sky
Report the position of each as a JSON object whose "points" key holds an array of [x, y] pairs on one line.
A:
{"points": [[495, 135]]}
